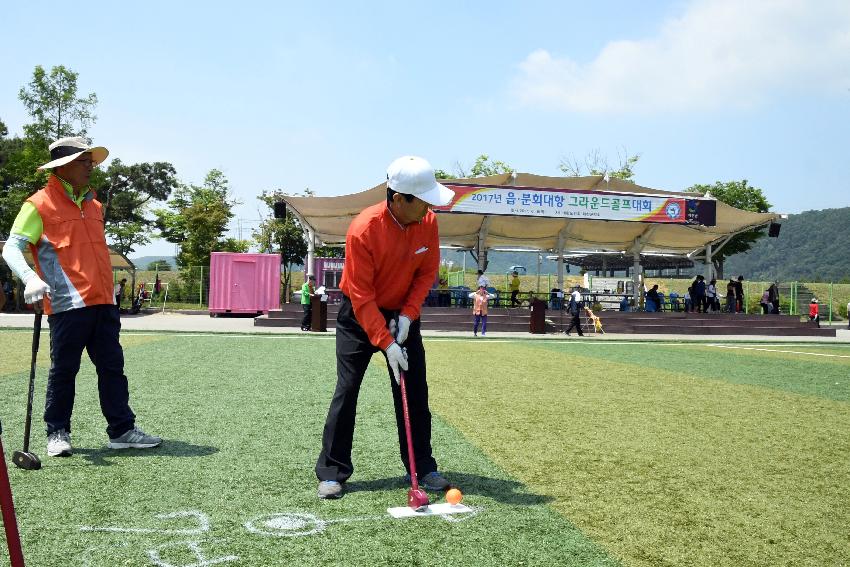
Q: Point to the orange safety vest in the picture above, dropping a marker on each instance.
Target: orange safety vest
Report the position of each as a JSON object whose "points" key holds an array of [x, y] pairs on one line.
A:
{"points": [[72, 256]]}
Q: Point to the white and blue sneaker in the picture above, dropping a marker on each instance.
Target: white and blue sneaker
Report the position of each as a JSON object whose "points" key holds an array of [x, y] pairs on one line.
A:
{"points": [[134, 439], [59, 444]]}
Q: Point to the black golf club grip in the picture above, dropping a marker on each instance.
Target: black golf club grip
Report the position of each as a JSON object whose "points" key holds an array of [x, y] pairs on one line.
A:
{"points": [[36, 333]]}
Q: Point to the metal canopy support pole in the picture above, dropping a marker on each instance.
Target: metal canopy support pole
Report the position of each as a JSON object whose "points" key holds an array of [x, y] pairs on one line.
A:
{"points": [[709, 265], [636, 277], [481, 245], [310, 268], [560, 252]]}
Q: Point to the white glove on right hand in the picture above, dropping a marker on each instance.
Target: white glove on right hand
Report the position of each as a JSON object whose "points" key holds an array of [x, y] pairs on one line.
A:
{"points": [[397, 359], [35, 290]]}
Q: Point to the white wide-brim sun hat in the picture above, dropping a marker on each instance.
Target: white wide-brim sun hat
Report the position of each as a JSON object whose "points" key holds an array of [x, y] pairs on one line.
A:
{"points": [[66, 150], [413, 175]]}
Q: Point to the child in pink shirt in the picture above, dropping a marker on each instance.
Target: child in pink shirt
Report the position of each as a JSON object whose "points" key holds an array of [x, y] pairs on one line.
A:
{"points": [[479, 309]]}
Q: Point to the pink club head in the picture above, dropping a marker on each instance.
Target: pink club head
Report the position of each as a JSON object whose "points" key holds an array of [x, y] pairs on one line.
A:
{"points": [[417, 499]]}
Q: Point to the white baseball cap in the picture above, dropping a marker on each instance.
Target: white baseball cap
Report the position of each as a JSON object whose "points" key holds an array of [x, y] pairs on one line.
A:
{"points": [[414, 176]]}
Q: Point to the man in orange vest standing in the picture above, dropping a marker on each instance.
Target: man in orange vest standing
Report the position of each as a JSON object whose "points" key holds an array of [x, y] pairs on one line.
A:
{"points": [[63, 226]]}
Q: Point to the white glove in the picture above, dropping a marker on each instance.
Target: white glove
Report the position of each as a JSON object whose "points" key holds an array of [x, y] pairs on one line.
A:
{"points": [[35, 290], [403, 329], [397, 359]]}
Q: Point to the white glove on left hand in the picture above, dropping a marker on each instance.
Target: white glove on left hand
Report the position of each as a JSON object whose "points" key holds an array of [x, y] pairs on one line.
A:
{"points": [[403, 329], [397, 359], [35, 290]]}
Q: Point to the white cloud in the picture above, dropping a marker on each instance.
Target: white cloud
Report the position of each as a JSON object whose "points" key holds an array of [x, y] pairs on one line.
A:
{"points": [[718, 53]]}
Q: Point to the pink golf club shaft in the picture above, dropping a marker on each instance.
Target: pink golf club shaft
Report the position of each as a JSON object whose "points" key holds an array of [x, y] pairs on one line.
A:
{"points": [[10, 522], [410, 456]]}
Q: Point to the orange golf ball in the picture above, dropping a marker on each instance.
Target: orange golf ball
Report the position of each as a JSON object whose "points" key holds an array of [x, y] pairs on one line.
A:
{"points": [[454, 496]]}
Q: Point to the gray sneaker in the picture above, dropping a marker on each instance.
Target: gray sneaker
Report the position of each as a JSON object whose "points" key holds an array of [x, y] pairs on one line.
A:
{"points": [[431, 481], [330, 489], [59, 444], [134, 439]]}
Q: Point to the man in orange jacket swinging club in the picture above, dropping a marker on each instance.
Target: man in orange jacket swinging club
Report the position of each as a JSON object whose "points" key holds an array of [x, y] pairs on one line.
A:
{"points": [[392, 256], [63, 226]]}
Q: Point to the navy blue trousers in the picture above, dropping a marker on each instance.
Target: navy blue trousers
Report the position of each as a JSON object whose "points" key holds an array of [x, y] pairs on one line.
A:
{"points": [[95, 329], [353, 353]]}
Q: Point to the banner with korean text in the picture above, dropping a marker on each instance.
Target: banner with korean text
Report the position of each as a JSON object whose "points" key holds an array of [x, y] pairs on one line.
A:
{"points": [[570, 203]]}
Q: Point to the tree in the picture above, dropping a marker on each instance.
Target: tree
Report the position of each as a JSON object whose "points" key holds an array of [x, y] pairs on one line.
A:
{"points": [[740, 195], [597, 164], [482, 167], [196, 219], [126, 192], [19, 159], [52, 102]]}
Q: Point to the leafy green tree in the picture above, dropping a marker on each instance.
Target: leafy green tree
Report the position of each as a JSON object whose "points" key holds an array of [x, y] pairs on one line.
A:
{"points": [[126, 192], [741, 195], [19, 158], [482, 167], [196, 219], [595, 163], [52, 101]]}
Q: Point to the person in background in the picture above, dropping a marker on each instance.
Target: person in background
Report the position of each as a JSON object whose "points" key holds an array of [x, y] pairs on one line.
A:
{"points": [[813, 311], [8, 291], [514, 288], [119, 291], [575, 307], [774, 298], [698, 302], [739, 295], [392, 255], [730, 295], [624, 304], [73, 285], [653, 300], [307, 292], [765, 302], [482, 279], [711, 296], [444, 299], [479, 309]]}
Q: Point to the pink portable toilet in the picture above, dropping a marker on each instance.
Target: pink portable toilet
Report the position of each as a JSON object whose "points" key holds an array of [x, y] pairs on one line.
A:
{"points": [[244, 283]]}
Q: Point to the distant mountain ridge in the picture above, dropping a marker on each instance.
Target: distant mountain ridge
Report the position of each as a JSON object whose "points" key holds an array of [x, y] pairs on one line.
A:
{"points": [[813, 246], [143, 262]]}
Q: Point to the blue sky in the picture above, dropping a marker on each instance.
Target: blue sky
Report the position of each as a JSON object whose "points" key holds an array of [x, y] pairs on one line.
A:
{"points": [[289, 95]]}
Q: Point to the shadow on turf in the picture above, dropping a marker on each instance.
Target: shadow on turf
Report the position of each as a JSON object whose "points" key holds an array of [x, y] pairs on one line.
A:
{"points": [[169, 448], [506, 491]]}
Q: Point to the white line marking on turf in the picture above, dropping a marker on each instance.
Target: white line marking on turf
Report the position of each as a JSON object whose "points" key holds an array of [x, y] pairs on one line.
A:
{"points": [[762, 349], [195, 548], [203, 525]]}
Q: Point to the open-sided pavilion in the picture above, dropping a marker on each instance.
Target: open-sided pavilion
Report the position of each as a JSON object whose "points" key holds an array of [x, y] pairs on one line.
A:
{"points": [[478, 223]]}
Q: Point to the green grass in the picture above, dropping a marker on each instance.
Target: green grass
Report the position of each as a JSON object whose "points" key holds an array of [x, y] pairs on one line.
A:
{"points": [[573, 453]]}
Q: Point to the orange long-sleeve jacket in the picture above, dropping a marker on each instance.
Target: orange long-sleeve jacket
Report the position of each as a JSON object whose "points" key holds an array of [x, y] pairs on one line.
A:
{"points": [[388, 266]]}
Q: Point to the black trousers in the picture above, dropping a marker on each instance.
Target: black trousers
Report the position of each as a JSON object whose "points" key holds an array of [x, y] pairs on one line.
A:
{"points": [[575, 322], [307, 319], [95, 329], [353, 353]]}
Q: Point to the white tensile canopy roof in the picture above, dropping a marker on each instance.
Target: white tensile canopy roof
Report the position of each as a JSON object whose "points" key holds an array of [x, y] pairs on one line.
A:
{"points": [[118, 260], [328, 219]]}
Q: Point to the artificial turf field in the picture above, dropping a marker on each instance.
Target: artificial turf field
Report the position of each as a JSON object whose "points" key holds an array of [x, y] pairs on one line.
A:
{"points": [[577, 452]]}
